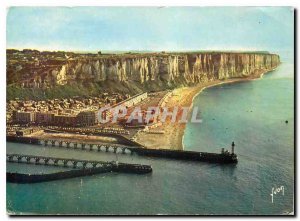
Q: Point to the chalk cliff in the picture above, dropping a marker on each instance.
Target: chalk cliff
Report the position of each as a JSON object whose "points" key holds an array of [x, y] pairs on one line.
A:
{"points": [[154, 71]]}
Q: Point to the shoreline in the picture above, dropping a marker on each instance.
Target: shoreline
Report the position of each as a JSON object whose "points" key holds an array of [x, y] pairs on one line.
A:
{"points": [[174, 132], [252, 78]]}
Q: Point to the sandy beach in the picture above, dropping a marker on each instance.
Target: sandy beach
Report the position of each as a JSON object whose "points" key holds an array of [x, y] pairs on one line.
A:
{"points": [[173, 136]]}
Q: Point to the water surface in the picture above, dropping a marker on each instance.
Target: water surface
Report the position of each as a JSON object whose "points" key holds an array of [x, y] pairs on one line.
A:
{"points": [[252, 114]]}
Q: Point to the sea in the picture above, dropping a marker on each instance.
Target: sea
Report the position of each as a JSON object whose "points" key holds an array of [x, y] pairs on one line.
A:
{"points": [[257, 115]]}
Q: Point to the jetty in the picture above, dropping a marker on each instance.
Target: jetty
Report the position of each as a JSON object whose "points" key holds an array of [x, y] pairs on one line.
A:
{"points": [[223, 157], [80, 168]]}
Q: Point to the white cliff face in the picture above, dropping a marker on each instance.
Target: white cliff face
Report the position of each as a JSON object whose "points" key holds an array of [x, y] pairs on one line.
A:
{"points": [[61, 77], [172, 69]]}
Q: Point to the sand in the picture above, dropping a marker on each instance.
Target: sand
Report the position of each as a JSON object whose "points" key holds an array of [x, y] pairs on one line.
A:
{"points": [[173, 136]]}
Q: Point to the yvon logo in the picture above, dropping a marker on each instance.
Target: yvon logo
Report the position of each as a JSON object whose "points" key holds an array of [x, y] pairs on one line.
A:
{"points": [[275, 191]]}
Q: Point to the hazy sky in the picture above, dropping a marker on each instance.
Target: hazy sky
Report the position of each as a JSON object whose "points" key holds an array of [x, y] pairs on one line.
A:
{"points": [[144, 28]]}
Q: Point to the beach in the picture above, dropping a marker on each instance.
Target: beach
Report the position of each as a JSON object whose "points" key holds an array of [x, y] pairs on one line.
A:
{"points": [[182, 97]]}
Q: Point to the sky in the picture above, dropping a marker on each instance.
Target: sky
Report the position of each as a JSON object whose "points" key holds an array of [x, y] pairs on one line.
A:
{"points": [[151, 28]]}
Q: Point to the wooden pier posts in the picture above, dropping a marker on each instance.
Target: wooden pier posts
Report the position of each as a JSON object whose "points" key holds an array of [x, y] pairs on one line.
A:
{"points": [[83, 146], [75, 164], [55, 162], [37, 160], [65, 163], [46, 161], [91, 146]]}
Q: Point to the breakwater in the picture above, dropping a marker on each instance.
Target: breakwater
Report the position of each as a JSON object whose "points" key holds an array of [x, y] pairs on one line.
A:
{"points": [[37, 178], [223, 157]]}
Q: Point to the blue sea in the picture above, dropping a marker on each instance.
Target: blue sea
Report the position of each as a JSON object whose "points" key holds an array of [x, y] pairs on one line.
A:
{"points": [[250, 113]]}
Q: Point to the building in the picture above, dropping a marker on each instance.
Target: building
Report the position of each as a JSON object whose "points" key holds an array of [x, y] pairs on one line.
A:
{"points": [[44, 118], [129, 102], [86, 118], [24, 117], [65, 120]]}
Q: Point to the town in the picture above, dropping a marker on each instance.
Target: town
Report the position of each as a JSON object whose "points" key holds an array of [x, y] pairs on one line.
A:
{"points": [[28, 117]]}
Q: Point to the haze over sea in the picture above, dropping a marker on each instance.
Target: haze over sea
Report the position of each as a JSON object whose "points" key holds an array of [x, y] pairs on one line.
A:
{"points": [[251, 113]]}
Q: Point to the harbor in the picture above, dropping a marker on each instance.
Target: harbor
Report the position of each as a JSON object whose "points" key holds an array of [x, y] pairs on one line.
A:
{"points": [[179, 180]]}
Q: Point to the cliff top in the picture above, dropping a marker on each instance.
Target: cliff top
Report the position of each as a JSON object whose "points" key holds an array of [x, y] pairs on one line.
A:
{"points": [[66, 54]]}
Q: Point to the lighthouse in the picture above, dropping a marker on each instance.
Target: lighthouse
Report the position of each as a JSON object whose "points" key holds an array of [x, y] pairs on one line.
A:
{"points": [[232, 147]]}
